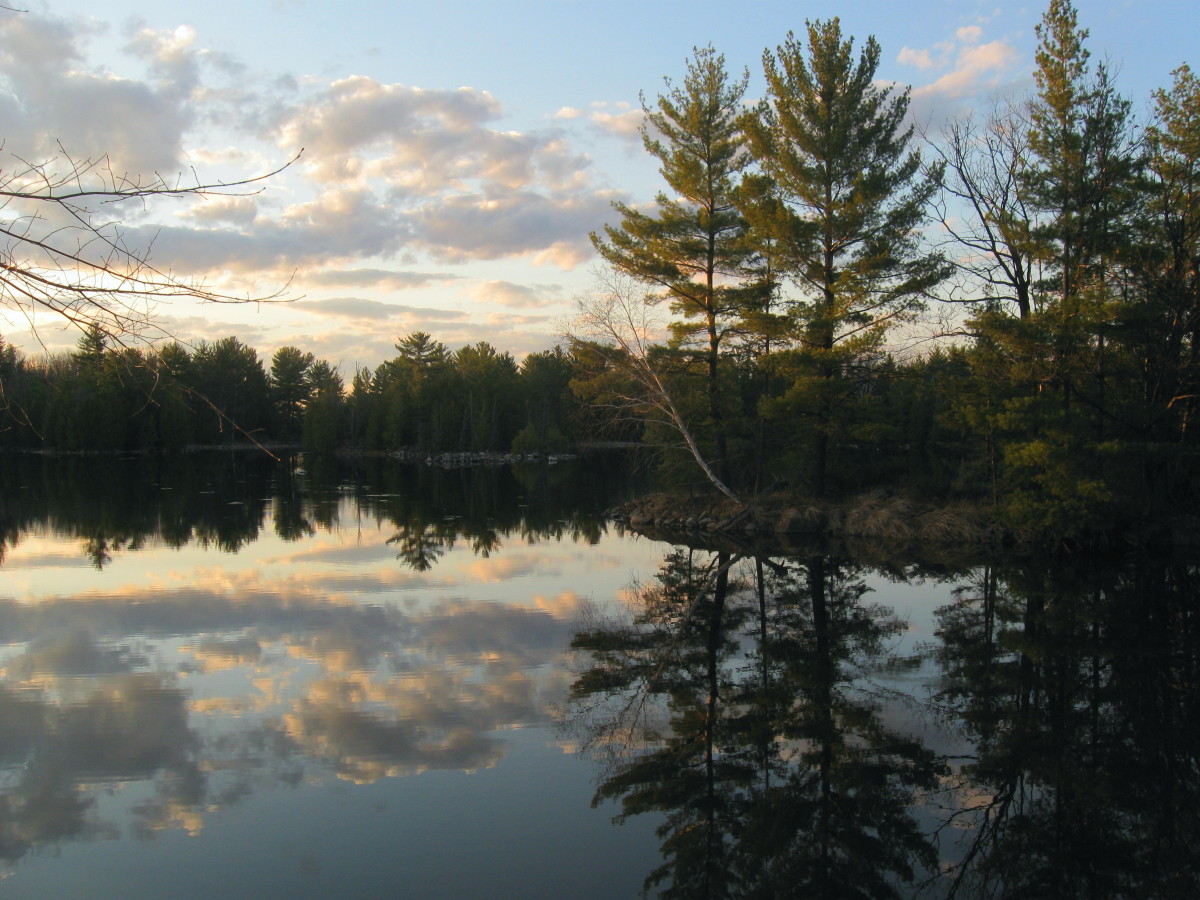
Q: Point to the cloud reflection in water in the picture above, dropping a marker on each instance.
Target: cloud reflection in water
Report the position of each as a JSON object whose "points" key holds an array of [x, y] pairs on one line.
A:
{"points": [[179, 682]]}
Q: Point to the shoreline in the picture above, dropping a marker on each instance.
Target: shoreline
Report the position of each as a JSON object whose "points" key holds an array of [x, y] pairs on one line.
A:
{"points": [[880, 517]]}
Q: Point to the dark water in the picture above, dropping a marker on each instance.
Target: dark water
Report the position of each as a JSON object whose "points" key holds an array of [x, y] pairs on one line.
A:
{"points": [[222, 677]]}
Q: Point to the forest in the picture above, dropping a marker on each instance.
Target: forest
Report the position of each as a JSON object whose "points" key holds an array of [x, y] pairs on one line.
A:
{"points": [[821, 300]]}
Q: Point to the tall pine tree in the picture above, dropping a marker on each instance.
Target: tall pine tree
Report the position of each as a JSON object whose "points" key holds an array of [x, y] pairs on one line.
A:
{"points": [[691, 249], [850, 196], [1083, 173]]}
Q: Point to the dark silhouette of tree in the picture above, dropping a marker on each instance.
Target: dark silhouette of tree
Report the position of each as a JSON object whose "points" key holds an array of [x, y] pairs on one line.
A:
{"points": [[1073, 681], [324, 412], [229, 378], [774, 773], [290, 387]]}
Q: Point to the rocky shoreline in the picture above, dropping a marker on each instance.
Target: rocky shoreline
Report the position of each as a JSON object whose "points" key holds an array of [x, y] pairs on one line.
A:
{"points": [[882, 519], [461, 459], [877, 515]]}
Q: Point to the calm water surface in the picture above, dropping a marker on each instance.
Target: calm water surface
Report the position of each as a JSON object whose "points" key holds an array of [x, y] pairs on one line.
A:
{"points": [[229, 678]]}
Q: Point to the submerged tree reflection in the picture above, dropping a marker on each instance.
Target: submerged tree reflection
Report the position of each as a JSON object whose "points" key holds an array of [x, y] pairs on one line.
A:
{"points": [[679, 648], [1079, 685], [774, 770]]}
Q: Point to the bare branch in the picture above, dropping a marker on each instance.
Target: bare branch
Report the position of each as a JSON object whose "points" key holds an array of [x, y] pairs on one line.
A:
{"points": [[62, 250], [619, 317]]}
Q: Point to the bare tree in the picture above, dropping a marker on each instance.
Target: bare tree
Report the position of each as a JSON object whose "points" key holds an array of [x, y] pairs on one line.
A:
{"points": [[63, 249], [987, 218], [622, 322]]}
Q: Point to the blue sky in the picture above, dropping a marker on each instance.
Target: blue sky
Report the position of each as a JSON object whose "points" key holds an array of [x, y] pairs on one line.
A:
{"points": [[456, 155]]}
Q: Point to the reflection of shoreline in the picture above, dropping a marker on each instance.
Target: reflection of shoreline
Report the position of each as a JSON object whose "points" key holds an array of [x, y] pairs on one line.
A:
{"points": [[225, 500], [280, 669]]}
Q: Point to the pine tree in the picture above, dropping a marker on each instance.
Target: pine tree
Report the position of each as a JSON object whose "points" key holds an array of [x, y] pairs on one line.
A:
{"points": [[849, 199], [1166, 323], [414, 386], [323, 412], [291, 387], [421, 351], [692, 248], [1083, 173], [1083, 183], [90, 349]]}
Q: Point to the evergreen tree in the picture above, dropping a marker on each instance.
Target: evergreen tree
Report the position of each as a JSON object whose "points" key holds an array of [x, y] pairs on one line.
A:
{"points": [[172, 395], [692, 248], [545, 387], [291, 387], [413, 388], [90, 350], [849, 199], [487, 389], [1166, 328], [421, 350], [323, 412], [1059, 374], [1083, 171], [361, 405], [12, 415], [229, 379]]}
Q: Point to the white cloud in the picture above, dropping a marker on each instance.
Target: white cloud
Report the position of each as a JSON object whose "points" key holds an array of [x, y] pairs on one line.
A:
{"points": [[516, 296], [56, 98], [342, 226], [237, 211], [173, 57], [625, 123], [919, 58], [972, 73], [337, 227], [510, 223], [419, 142], [361, 309], [375, 278], [976, 69]]}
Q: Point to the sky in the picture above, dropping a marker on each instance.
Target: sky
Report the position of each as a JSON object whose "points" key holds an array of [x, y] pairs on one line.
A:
{"points": [[456, 156]]}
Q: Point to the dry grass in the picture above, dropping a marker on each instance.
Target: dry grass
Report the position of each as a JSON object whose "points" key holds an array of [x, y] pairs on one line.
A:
{"points": [[885, 518], [876, 516], [955, 523]]}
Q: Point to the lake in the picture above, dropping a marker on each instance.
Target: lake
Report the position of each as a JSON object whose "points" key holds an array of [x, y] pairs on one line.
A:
{"points": [[226, 676]]}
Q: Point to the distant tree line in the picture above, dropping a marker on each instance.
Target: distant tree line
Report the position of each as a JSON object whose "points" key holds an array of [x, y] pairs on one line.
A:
{"points": [[104, 397], [793, 241]]}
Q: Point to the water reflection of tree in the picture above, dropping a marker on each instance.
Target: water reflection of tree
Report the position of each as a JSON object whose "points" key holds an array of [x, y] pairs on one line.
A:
{"points": [[293, 517], [481, 507], [419, 544], [221, 500], [116, 505], [679, 648], [837, 821], [775, 773], [1079, 683]]}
